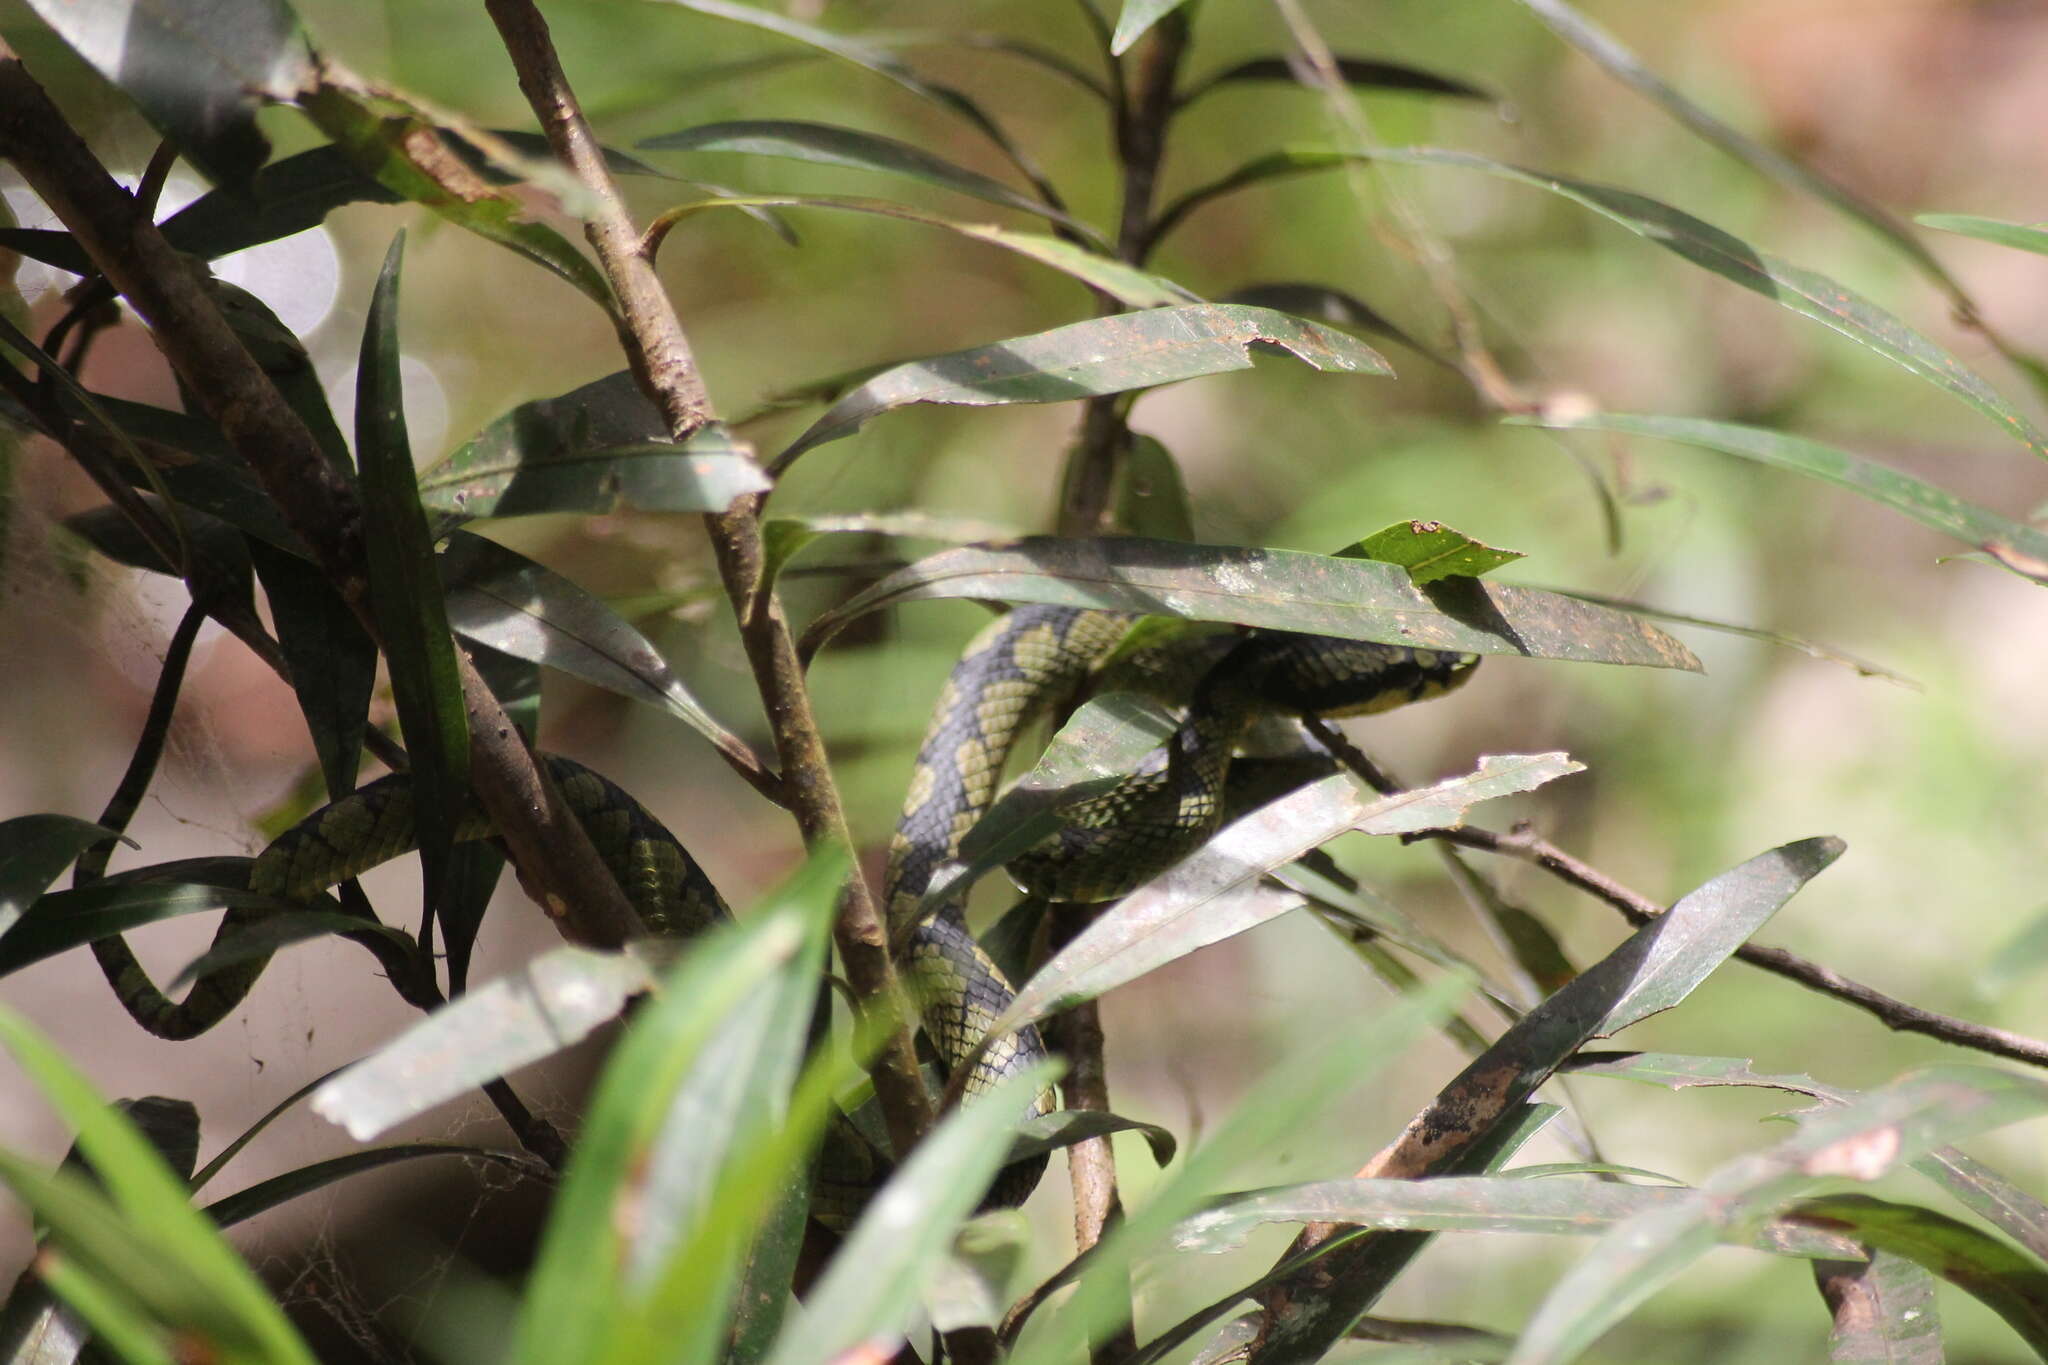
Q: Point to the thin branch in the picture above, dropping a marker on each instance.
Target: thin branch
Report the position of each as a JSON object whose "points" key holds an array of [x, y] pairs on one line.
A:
{"points": [[659, 353], [169, 292]]}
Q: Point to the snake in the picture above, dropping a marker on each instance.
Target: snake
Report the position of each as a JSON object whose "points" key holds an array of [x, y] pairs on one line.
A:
{"points": [[1027, 661]]}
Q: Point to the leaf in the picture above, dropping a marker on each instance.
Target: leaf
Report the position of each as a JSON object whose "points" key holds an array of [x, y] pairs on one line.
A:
{"points": [[226, 1306], [1135, 18], [281, 929], [1218, 891], [1882, 1310], [499, 597], [1103, 355], [197, 69], [1608, 53], [1126, 283], [597, 448], [34, 851], [1678, 1071], [1370, 72], [1150, 498], [784, 538], [1430, 550], [2021, 235], [871, 1287], [286, 197], [553, 1002], [1322, 303], [1356, 599], [405, 592], [1862, 1139], [1997, 1200], [1045, 1133], [971, 1284], [1811, 648], [266, 1195], [830, 145], [1576, 1206], [2018, 547], [409, 156], [2021, 955], [62, 920], [332, 659]]}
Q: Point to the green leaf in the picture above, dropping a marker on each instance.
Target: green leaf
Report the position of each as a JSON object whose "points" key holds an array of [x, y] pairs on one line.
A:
{"points": [[230, 1308], [554, 1002], [284, 198], [1356, 599], [829, 145], [1608, 53], [34, 851], [1883, 1309], [1045, 1133], [281, 929], [1563, 1206], [409, 156], [62, 920], [333, 661], [1323, 303], [1430, 550], [2012, 544], [499, 597], [2021, 235], [784, 538], [1103, 355], [1149, 497], [1126, 283], [971, 1284], [204, 1176], [405, 592], [1135, 18], [871, 1288], [1219, 890], [1369, 72], [197, 69], [266, 1195], [1811, 648], [596, 449], [1992, 1196], [1862, 1139]]}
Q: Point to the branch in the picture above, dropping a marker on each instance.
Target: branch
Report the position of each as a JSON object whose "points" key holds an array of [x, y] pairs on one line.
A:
{"points": [[659, 353], [168, 290]]}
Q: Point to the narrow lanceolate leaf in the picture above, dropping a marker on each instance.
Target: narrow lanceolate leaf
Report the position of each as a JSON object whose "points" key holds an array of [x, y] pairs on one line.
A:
{"points": [[1371, 73], [1997, 1199], [1605, 50], [830, 145], [1571, 1207], [1065, 1127], [1125, 283], [34, 851], [871, 1289], [266, 1195], [197, 69], [198, 1282], [499, 597], [2013, 544], [1133, 21], [1430, 550], [333, 660], [62, 920], [405, 590], [2025, 236], [1864, 1139], [555, 1001], [1881, 1311], [1357, 599], [1218, 891], [1652, 970], [1324, 303], [1104, 355], [282, 929], [1150, 498], [1813, 649]]}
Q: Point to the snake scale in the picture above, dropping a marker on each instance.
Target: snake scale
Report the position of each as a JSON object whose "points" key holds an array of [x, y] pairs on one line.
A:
{"points": [[1031, 659]]}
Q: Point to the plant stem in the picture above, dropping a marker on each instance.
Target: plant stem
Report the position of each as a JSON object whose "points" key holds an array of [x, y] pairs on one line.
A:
{"points": [[659, 353]]}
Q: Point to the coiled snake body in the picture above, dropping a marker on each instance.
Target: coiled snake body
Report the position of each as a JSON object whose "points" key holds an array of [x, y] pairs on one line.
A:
{"points": [[1028, 660]]}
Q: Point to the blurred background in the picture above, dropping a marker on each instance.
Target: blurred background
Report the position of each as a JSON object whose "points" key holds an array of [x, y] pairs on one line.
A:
{"points": [[1936, 782]]}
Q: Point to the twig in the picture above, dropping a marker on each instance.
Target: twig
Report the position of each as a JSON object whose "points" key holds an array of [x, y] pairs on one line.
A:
{"points": [[550, 848], [659, 353]]}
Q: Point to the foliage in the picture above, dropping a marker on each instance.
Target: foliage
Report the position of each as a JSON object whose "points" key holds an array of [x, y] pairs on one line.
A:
{"points": [[690, 1220]]}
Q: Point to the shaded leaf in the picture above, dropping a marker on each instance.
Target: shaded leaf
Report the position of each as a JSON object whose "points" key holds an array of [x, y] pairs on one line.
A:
{"points": [[1218, 891], [1135, 18], [1881, 1310], [1149, 498], [204, 1176], [971, 1285], [1103, 355], [474, 871], [1430, 550], [597, 448], [1679, 1071], [784, 538], [1324, 303], [198, 69], [2021, 235], [266, 1195], [284, 198], [499, 597], [1992, 1196], [1810, 648], [34, 851], [830, 145], [1064, 1127], [554, 1002], [2018, 547], [62, 920], [405, 591], [281, 929], [1355, 599], [1371, 72], [332, 659]]}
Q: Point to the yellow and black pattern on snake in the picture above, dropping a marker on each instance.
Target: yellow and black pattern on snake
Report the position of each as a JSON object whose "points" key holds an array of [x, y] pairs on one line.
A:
{"points": [[666, 887]]}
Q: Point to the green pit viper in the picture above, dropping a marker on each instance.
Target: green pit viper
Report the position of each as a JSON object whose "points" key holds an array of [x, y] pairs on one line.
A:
{"points": [[1024, 662]]}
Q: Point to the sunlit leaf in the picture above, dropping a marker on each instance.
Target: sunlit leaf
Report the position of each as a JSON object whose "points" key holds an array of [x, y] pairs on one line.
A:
{"points": [[1323, 303], [1883, 1310], [1135, 18], [1103, 355], [2021, 235], [1430, 550]]}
